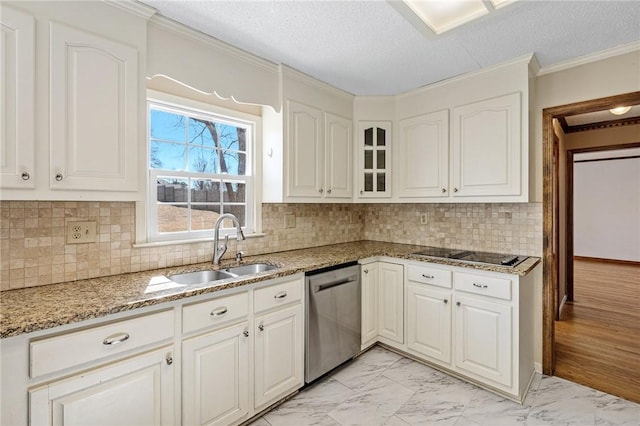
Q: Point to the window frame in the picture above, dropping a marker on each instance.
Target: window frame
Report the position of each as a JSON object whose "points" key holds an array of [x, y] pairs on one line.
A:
{"points": [[191, 108]]}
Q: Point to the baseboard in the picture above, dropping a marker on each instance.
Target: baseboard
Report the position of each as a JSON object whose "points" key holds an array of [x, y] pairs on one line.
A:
{"points": [[538, 367], [602, 259]]}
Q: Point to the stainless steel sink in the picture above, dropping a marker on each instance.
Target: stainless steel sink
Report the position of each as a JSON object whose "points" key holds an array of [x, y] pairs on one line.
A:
{"points": [[251, 269], [201, 277]]}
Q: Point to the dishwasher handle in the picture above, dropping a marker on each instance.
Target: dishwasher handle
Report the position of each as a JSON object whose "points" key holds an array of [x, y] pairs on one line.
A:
{"points": [[327, 286]]}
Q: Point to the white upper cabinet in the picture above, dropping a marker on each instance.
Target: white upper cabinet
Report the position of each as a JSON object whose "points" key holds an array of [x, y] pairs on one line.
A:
{"points": [[93, 114], [374, 159], [305, 150], [423, 156], [17, 97], [73, 100], [308, 147], [338, 156], [486, 148]]}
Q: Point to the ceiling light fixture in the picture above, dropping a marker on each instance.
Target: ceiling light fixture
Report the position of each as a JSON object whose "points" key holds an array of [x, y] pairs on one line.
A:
{"points": [[621, 110], [444, 15]]}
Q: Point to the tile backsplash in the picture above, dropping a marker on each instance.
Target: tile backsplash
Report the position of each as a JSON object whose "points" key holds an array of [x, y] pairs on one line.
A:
{"points": [[33, 249]]}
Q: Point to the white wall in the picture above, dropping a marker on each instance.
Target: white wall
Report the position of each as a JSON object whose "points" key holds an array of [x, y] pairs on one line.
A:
{"points": [[607, 209]]}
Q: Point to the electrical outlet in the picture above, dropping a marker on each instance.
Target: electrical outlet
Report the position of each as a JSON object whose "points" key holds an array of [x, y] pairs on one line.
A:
{"points": [[289, 221], [81, 232], [423, 218]]}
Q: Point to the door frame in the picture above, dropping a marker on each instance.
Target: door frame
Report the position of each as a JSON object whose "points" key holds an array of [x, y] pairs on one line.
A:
{"points": [[550, 260]]}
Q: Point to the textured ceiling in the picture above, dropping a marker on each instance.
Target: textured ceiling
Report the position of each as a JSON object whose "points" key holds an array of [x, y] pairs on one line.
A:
{"points": [[368, 48]]}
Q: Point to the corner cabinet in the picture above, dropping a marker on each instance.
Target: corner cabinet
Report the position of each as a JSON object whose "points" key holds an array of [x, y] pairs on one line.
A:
{"points": [[374, 159], [486, 147]]}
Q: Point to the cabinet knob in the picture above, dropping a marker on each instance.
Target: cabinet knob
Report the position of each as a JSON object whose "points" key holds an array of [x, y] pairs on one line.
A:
{"points": [[328, 191], [444, 190], [366, 271], [25, 176], [457, 303], [321, 190], [445, 301], [361, 192], [58, 177], [261, 327], [169, 359], [455, 189], [245, 333]]}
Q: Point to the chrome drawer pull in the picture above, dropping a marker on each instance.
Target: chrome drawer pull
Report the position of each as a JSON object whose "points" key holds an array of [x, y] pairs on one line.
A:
{"points": [[169, 359], [480, 285], [280, 295], [218, 312], [114, 339], [429, 277], [25, 176]]}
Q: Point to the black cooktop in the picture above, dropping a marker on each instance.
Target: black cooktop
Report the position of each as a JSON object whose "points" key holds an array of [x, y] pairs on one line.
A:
{"points": [[509, 260]]}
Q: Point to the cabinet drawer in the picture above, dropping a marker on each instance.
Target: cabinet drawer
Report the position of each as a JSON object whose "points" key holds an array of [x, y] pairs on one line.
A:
{"points": [[92, 344], [277, 295], [213, 312], [487, 286], [428, 275]]}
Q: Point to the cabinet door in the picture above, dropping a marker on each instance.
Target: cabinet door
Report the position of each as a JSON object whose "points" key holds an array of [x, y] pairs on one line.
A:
{"points": [[369, 281], [483, 339], [278, 355], [374, 148], [93, 112], [429, 322], [17, 94], [391, 301], [423, 156], [137, 391], [304, 151], [338, 157], [215, 377], [486, 147]]}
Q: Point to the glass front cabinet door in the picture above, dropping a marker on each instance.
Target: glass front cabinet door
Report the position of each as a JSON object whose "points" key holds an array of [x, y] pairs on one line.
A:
{"points": [[374, 159]]}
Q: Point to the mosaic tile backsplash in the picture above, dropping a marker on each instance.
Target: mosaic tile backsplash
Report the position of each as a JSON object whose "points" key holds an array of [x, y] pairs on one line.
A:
{"points": [[33, 250]]}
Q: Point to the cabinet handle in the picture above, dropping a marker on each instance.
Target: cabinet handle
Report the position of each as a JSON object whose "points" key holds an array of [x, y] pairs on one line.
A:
{"points": [[328, 191], [25, 176], [169, 359], [114, 339], [245, 333], [361, 192], [261, 327], [457, 303], [219, 311], [321, 190], [480, 285], [444, 190], [445, 301], [280, 295], [455, 189], [429, 277], [366, 271], [58, 177]]}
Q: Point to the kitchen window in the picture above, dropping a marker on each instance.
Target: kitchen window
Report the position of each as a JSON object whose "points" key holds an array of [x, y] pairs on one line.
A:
{"points": [[200, 166]]}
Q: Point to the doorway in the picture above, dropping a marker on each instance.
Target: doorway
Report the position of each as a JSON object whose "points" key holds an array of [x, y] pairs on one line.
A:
{"points": [[551, 255]]}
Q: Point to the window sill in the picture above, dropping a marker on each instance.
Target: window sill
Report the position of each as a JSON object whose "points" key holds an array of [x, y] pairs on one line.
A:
{"points": [[192, 241]]}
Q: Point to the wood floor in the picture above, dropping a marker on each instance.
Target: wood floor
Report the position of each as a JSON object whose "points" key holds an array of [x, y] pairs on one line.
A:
{"points": [[597, 340]]}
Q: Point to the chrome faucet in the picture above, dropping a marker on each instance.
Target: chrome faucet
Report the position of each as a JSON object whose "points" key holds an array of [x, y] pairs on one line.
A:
{"points": [[220, 249]]}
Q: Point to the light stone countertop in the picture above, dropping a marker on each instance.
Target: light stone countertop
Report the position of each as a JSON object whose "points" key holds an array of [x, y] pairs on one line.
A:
{"points": [[40, 308]]}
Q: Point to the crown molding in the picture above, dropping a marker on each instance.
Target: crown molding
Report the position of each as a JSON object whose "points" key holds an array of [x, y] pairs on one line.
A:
{"points": [[134, 7], [305, 78], [592, 57]]}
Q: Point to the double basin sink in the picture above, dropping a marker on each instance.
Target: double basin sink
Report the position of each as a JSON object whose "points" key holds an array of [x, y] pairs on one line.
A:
{"points": [[211, 275]]}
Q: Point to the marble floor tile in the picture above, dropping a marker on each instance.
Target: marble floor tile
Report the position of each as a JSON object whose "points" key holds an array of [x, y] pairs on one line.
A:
{"points": [[373, 404], [383, 388]]}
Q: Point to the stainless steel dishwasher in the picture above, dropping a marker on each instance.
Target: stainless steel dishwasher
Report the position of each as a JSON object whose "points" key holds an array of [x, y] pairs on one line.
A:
{"points": [[332, 318]]}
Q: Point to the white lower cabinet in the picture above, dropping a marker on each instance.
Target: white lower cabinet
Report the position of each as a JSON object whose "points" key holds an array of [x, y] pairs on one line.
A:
{"points": [[369, 293], [429, 322], [215, 377], [483, 338], [278, 357], [136, 391], [391, 302]]}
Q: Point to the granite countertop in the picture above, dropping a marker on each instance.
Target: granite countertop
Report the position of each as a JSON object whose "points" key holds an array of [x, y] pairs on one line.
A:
{"points": [[39, 308]]}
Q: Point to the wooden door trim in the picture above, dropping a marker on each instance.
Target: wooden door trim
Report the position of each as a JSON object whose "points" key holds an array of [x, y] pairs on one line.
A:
{"points": [[549, 282]]}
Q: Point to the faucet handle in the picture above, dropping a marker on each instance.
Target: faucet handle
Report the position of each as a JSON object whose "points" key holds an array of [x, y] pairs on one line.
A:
{"points": [[239, 256]]}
